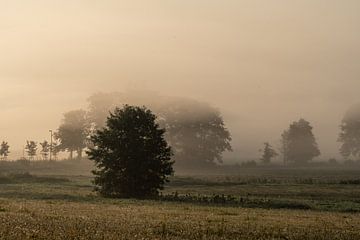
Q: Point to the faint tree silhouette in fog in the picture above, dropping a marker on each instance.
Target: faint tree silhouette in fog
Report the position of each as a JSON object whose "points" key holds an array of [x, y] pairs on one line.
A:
{"points": [[195, 130], [55, 149], [100, 104], [45, 149], [284, 149], [4, 150], [350, 133], [268, 153], [131, 154], [301, 146], [31, 149], [73, 132]]}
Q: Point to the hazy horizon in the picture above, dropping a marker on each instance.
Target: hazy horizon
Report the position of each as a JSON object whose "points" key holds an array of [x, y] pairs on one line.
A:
{"points": [[263, 64]]}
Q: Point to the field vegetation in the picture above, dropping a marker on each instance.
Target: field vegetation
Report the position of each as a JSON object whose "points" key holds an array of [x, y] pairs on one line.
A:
{"points": [[259, 203]]}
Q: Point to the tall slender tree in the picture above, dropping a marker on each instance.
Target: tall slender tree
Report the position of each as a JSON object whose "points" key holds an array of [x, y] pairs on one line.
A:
{"points": [[45, 149], [284, 149], [4, 150], [31, 149], [55, 150], [268, 153]]}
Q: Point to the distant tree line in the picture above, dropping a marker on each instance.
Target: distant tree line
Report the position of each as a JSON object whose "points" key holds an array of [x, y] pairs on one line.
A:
{"points": [[195, 131], [299, 146], [31, 149]]}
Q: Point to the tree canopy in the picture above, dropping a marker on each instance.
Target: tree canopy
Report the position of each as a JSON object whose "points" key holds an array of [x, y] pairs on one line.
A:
{"points": [[299, 143], [195, 130], [73, 132], [131, 154], [350, 133]]}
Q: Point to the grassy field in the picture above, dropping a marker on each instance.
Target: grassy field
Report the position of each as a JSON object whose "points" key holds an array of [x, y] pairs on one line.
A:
{"points": [[253, 204]]}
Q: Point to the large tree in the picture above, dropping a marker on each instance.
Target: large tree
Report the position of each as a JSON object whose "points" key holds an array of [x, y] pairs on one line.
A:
{"points": [[73, 132], [300, 143], [195, 130], [350, 133], [131, 154]]}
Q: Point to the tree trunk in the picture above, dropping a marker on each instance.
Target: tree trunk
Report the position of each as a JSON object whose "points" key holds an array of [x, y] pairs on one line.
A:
{"points": [[79, 153], [71, 154]]}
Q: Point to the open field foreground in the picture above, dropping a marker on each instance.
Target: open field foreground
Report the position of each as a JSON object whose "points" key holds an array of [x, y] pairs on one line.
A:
{"points": [[130, 219], [64, 207]]}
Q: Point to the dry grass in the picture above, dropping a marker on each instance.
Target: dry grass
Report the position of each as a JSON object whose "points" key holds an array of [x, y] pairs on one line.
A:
{"points": [[52, 207], [132, 219]]}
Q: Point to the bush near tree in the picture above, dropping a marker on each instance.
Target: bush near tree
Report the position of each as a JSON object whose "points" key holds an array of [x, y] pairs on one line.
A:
{"points": [[268, 153]]}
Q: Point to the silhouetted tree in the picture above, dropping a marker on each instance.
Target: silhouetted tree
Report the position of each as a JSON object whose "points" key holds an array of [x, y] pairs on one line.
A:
{"points": [[350, 133], [4, 150], [268, 153], [45, 149], [73, 132], [55, 149], [194, 130], [301, 146], [131, 154], [31, 149]]}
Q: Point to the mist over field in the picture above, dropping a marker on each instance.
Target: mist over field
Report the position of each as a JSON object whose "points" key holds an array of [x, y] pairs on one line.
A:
{"points": [[263, 64], [180, 119]]}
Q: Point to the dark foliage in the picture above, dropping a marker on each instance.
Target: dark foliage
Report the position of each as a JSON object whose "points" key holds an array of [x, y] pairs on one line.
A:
{"points": [[131, 155]]}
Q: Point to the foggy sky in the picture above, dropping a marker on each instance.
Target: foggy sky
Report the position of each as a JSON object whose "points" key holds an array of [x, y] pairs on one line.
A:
{"points": [[263, 63]]}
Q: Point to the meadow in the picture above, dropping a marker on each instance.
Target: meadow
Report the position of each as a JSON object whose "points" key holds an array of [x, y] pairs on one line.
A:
{"points": [[56, 201]]}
